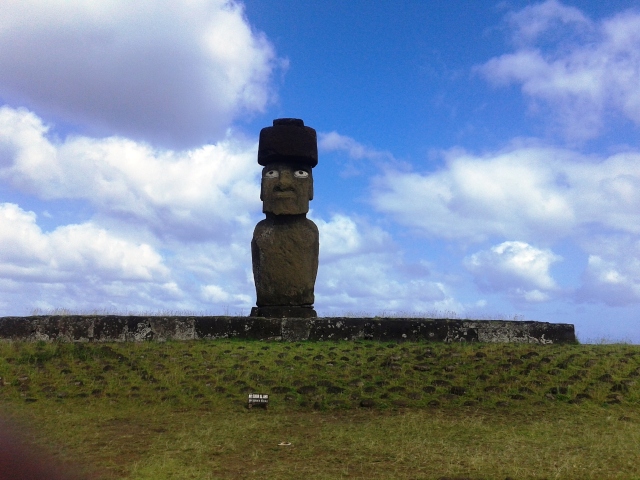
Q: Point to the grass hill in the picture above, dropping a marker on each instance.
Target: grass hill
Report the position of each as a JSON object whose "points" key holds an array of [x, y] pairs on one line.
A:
{"points": [[349, 409]]}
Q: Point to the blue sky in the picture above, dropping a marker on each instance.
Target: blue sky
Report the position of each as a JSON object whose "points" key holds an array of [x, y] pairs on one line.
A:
{"points": [[476, 158]]}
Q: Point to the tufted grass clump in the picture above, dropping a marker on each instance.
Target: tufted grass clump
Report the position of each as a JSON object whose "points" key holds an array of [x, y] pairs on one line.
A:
{"points": [[350, 409]]}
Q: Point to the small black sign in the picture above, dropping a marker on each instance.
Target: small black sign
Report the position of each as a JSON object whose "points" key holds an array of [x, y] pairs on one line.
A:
{"points": [[258, 400]]}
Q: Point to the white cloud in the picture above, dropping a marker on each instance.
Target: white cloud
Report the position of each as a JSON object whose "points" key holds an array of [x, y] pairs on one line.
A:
{"points": [[334, 142], [374, 283], [612, 275], [71, 253], [218, 295], [176, 73], [356, 152], [186, 194], [362, 272], [86, 267], [535, 20], [581, 80], [217, 275], [514, 267], [192, 211], [538, 194], [344, 236]]}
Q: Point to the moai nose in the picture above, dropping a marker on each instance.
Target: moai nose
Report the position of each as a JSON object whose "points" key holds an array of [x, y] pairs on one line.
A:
{"points": [[285, 179]]}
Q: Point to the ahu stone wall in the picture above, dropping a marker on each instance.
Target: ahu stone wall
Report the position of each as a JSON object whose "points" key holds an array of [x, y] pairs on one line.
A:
{"points": [[114, 328]]}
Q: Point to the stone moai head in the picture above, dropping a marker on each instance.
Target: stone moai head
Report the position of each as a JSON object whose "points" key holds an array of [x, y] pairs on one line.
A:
{"points": [[288, 151]]}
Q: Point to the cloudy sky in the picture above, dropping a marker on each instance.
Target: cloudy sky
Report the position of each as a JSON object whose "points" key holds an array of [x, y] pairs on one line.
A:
{"points": [[477, 159]]}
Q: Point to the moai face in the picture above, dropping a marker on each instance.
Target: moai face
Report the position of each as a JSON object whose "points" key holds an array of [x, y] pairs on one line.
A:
{"points": [[286, 188]]}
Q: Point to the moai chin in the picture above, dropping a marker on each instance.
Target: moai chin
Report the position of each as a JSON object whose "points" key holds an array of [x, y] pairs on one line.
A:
{"points": [[285, 245]]}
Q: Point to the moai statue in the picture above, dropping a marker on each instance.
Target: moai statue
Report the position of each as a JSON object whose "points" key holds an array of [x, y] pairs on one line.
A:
{"points": [[285, 245]]}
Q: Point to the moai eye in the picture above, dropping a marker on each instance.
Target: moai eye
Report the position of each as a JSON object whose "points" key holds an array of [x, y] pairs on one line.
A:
{"points": [[271, 174], [301, 174]]}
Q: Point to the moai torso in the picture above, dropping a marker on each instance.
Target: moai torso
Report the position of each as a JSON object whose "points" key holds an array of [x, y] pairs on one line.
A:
{"points": [[285, 245], [285, 261]]}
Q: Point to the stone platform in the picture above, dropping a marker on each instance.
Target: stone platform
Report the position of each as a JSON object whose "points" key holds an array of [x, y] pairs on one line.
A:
{"points": [[114, 328]]}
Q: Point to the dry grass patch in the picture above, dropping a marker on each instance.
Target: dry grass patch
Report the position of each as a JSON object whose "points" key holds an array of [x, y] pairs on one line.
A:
{"points": [[562, 441]]}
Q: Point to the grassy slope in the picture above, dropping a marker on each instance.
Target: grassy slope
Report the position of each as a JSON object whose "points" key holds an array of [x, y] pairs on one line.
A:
{"points": [[177, 410]]}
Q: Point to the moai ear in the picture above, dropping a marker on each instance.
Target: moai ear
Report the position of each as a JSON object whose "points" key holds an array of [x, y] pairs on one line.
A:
{"points": [[311, 190], [262, 183]]}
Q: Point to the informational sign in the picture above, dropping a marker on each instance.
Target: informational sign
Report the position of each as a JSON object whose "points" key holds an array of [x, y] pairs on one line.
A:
{"points": [[258, 400]]}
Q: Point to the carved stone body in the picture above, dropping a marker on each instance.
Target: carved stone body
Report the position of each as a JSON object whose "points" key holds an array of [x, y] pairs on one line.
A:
{"points": [[284, 251], [285, 245]]}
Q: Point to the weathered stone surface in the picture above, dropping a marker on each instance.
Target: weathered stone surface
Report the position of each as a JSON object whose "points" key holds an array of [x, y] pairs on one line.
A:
{"points": [[294, 330], [113, 328], [280, 311], [213, 328], [94, 328], [286, 188], [285, 246], [17, 328], [285, 251], [288, 140]]}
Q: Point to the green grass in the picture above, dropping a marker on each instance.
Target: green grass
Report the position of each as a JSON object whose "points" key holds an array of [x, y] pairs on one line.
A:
{"points": [[350, 409]]}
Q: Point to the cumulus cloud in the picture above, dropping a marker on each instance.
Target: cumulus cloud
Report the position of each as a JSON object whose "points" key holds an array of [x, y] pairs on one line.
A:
{"points": [[612, 275], [582, 76], [217, 276], [186, 194], [70, 252], [87, 267], [173, 73], [75, 266], [374, 283], [538, 194], [334, 142], [355, 152], [343, 236], [514, 267], [362, 272], [217, 294], [191, 210], [533, 21]]}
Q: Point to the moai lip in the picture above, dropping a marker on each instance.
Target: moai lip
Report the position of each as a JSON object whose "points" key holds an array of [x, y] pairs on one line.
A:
{"points": [[285, 245]]}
